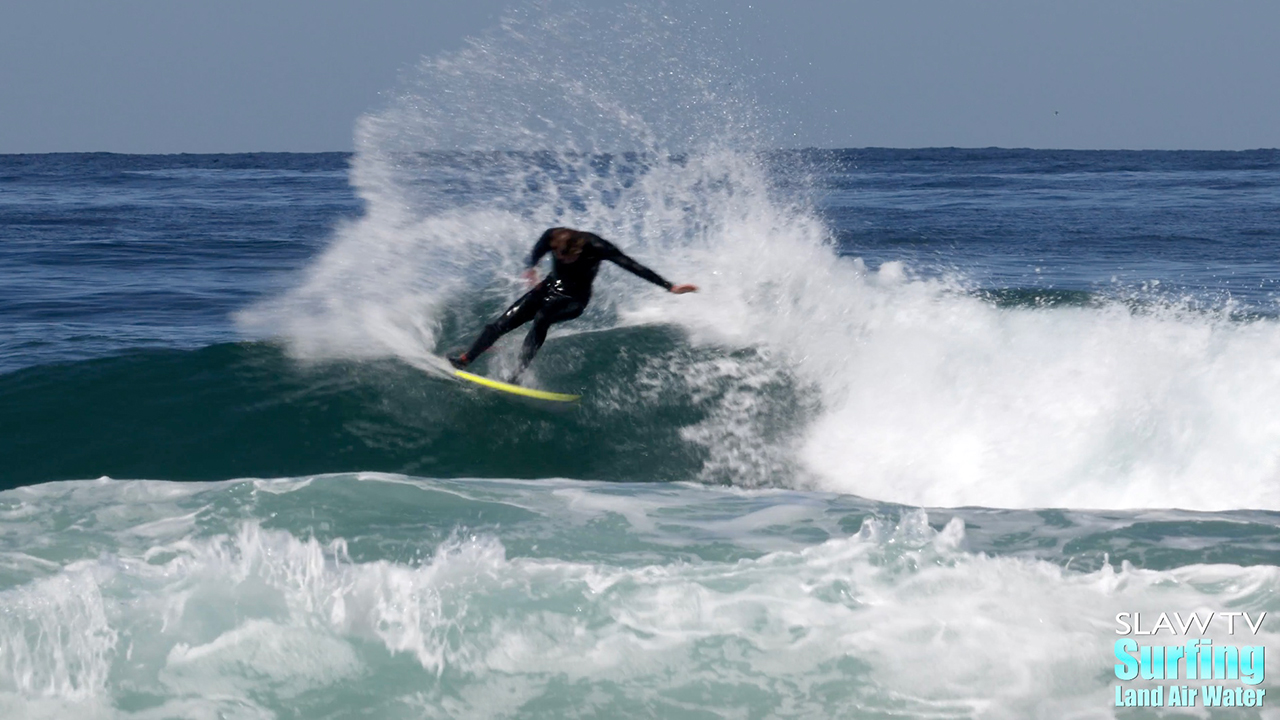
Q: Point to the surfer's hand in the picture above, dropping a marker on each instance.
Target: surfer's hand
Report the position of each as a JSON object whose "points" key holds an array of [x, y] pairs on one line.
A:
{"points": [[682, 289], [531, 277]]}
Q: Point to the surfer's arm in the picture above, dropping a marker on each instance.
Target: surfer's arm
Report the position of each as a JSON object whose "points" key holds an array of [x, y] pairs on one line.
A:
{"points": [[540, 248], [610, 252]]}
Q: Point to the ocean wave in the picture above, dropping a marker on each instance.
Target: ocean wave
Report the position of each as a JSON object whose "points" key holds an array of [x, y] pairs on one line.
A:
{"points": [[499, 598]]}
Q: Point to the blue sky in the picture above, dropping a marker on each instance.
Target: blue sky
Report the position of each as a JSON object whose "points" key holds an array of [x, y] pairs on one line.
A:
{"points": [[293, 75]]}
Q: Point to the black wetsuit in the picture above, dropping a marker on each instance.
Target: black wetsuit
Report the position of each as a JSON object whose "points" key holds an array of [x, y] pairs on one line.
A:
{"points": [[562, 295]]}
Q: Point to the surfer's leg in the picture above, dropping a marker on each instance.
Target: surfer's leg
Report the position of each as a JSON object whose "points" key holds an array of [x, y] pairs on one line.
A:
{"points": [[557, 308], [520, 312]]}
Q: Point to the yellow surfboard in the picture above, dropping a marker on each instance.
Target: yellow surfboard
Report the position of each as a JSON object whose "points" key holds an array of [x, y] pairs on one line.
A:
{"points": [[516, 389]]}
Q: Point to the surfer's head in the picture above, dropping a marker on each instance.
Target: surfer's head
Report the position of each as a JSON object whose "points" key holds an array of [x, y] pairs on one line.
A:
{"points": [[567, 244]]}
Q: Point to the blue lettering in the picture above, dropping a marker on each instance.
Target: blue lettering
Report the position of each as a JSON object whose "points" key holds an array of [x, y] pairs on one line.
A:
{"points": [[1127, 669]]}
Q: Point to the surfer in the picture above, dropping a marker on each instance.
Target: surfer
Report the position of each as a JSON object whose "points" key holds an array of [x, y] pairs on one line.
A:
{"points": [[562, 295]]}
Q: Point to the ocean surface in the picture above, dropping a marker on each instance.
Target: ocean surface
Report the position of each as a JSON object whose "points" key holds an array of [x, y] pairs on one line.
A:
{"points": [[935, 417]]}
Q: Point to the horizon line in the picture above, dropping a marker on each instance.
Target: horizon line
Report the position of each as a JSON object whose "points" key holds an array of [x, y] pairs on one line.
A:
{"points": [[811, 148]]}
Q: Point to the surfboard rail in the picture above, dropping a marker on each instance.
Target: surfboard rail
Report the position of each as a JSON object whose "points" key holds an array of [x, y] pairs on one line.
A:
{"points": [[515, 389]]}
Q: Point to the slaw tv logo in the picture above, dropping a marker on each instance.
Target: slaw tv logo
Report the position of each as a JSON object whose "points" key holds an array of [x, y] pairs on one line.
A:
{"points": [[1150, 666]]}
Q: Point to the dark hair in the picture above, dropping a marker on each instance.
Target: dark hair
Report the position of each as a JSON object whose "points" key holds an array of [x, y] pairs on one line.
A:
{"points": [[569, 236], [550, 234]]}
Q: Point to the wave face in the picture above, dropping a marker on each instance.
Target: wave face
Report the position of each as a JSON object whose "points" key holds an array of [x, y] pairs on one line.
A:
{"points": [[391, 596], [1001, 406], [247, 409], [798, 365]]}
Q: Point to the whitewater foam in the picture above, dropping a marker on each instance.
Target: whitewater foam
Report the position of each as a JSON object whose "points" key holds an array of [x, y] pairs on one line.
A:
{"points": [[898, 616]]}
